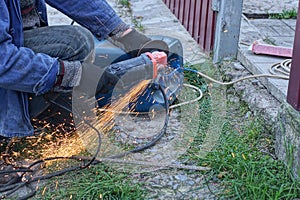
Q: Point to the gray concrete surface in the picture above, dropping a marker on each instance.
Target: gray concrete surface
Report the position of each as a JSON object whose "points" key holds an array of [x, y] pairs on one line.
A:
{"points": [[268, 6]]}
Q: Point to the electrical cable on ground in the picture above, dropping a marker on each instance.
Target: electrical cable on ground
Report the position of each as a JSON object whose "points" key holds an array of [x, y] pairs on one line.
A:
{"points": [[198, 98], [282, 68], [238, 80], [11, 188]]}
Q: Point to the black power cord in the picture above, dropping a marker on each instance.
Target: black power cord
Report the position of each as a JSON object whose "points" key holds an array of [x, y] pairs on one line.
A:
{"points": [[25, 181]]}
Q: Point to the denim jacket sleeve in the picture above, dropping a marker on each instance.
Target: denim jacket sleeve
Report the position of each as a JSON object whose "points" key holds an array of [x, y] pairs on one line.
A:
{"points": [[20, 68], [96, 15]]}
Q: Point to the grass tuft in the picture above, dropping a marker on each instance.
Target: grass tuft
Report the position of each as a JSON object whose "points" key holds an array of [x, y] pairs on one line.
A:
{"points": [[97, 182], [285, 14], [125, 3], [239, 164]]}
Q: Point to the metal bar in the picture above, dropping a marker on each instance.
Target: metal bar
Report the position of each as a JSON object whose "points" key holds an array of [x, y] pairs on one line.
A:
{"points": [[203, 24], [209, 33], [187, 14], [172, 4], [293, 96], [181, 11], [198, 20], [213, 26], [177, 8], [192, 17], [167, 2], [227, 29], [266, 49]]}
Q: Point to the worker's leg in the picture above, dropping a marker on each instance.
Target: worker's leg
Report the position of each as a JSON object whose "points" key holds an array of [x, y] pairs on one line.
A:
{"points": [[68, 43], [64, 42]]}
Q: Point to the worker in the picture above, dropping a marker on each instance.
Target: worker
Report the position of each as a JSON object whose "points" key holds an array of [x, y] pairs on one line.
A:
{"points": [[36, 59]]}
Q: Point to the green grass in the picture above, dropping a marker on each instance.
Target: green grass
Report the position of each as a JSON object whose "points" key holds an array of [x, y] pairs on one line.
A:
{"points": [[125, 3], [246, 172], [97, 182], [137, 21], [285, 14], [239, 163], [204, 105], [243, 170]]}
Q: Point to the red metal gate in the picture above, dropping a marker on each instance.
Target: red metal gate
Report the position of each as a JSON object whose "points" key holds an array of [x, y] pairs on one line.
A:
{"points": [[293, 96], [198, 18]]}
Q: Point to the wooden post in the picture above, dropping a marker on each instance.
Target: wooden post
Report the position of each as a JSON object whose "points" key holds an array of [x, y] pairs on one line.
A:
{"points": [[293, 96], [227, 28]]}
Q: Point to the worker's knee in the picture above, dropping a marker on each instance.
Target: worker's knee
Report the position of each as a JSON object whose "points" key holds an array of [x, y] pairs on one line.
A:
{"points": [[84, 47]]}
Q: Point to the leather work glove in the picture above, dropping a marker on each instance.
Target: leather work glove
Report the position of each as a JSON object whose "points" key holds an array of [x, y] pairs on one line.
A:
{"points": [[136, 43]]}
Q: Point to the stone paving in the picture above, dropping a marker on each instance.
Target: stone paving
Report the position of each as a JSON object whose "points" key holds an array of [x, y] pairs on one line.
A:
{"points": [[268, 6]]}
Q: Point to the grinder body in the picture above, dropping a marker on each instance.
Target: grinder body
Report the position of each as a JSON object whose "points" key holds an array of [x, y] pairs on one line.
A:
{"points": [[170, 78]]}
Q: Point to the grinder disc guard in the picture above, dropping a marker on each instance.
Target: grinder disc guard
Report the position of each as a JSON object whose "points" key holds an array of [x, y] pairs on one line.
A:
{"points": [[170, 78]]}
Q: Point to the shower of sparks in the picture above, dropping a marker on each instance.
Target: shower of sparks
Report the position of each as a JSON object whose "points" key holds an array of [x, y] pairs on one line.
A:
{"points": [[105, 120], [63, 140]]}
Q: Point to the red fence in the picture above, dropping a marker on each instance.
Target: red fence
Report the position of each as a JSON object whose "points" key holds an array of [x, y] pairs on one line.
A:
{"points": [[293, 96], [198, 18]]}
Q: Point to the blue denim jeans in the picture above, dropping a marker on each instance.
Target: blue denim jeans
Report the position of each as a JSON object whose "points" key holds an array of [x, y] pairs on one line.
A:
{"points": [[70, 43]]}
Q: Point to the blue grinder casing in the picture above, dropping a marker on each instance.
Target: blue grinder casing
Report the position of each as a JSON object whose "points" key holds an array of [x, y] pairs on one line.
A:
{"points": [[171, 81]]}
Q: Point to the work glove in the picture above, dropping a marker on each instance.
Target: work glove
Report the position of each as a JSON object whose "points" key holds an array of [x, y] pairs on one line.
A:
{"points": [[136, 43], [68, 76]]}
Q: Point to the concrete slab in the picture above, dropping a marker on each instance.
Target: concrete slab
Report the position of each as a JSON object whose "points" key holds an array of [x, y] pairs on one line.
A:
{"points": [[284, 41], [268, 6], [290, 22], [248, 33], [273, 27], [260, 65]]}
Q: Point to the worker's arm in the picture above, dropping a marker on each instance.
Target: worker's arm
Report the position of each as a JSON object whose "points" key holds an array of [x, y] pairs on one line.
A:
{"points": [[20, 68], [96, 15]]}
